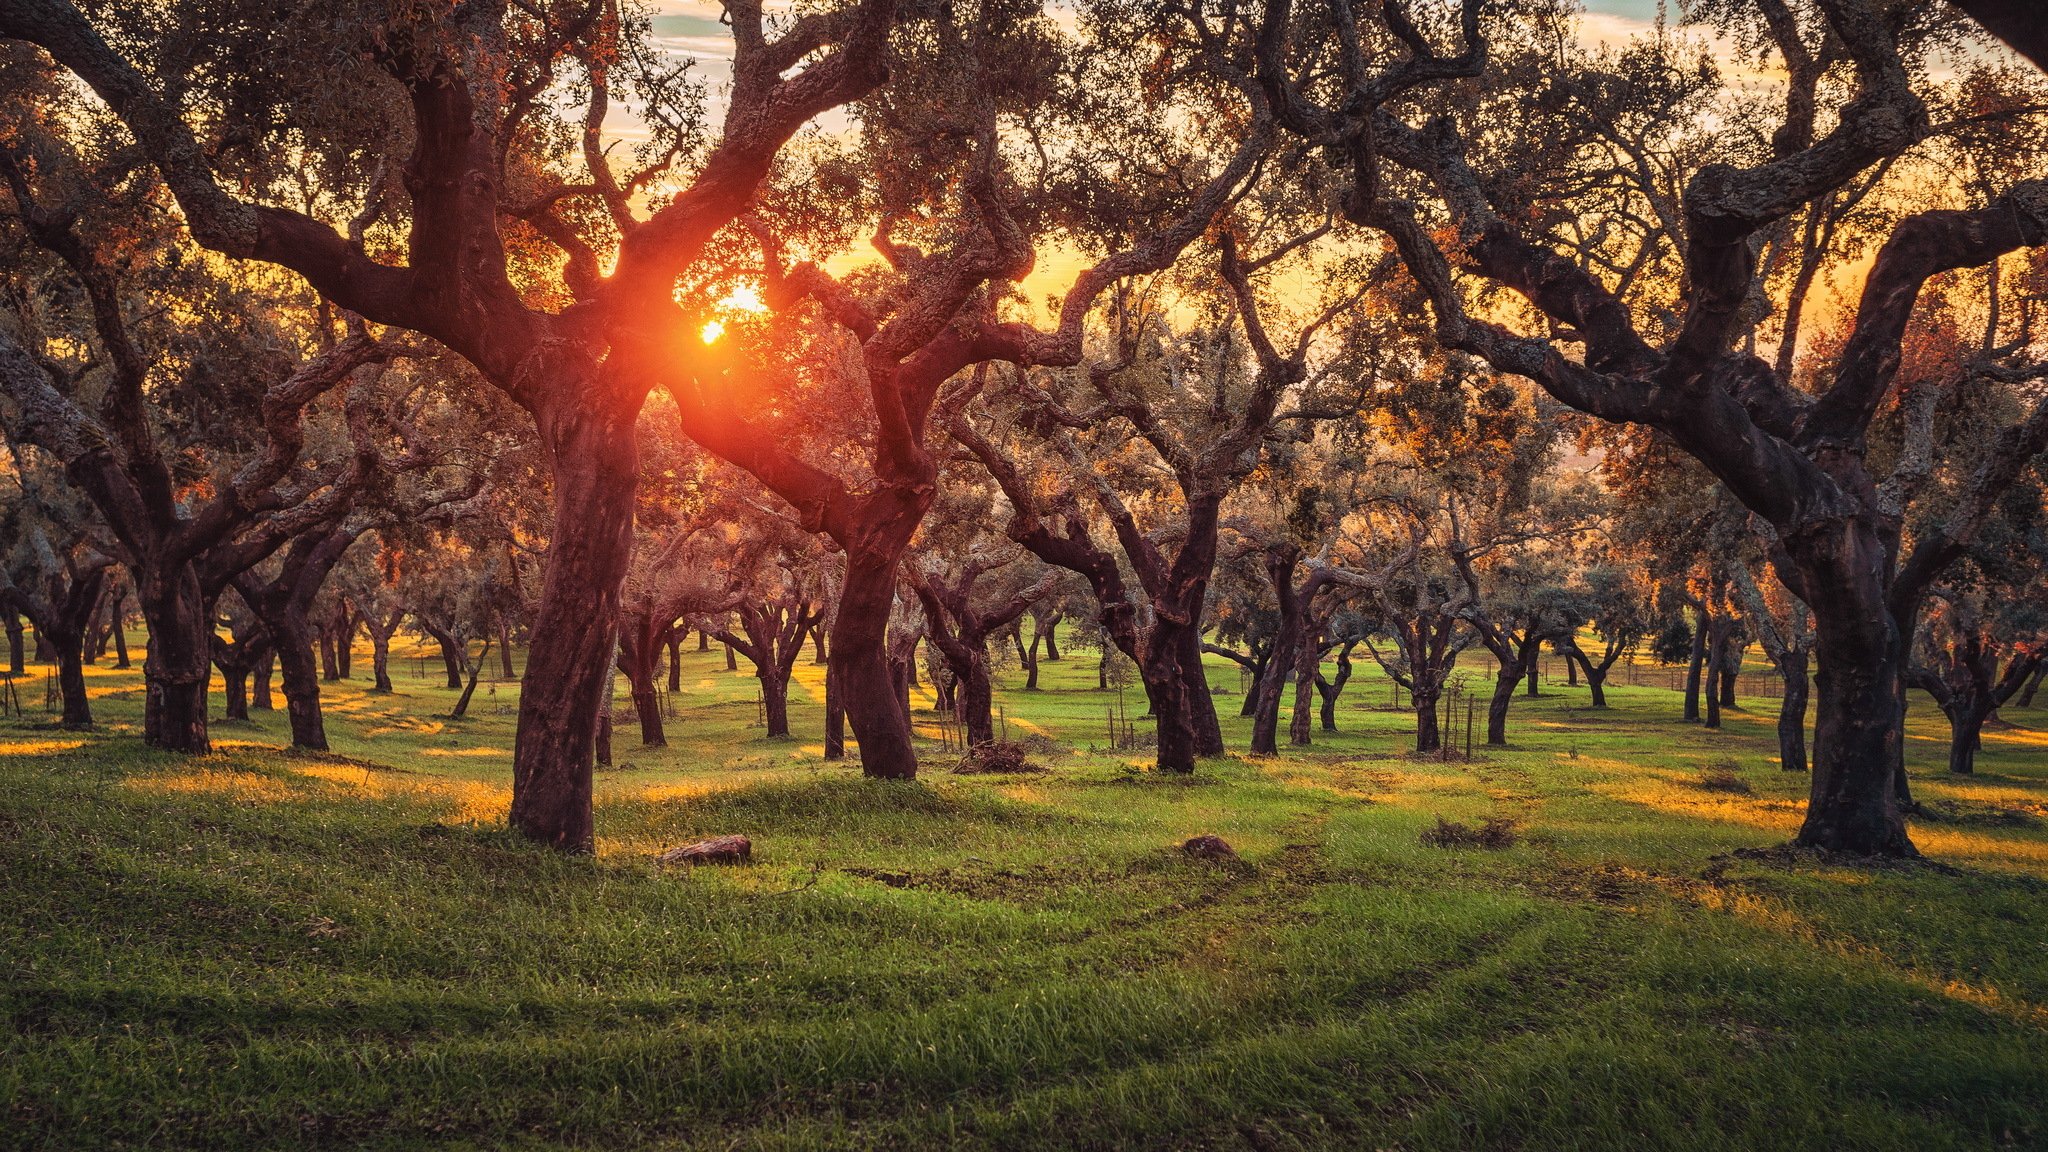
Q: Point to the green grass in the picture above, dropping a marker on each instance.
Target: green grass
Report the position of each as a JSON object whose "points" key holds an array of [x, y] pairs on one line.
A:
{"points": [[256, 949]]}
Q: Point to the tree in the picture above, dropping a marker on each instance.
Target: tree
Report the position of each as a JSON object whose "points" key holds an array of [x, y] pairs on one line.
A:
{"points": [[93, 251], [774, 590], [1618, 607], [493, 159], [54, 573], [886, 346], [962, 611], [249, 643], [1972, 658], [1785, 629], [1797, 460]]}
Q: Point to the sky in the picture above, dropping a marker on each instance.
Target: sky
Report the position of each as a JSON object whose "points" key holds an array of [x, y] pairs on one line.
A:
{"points": [[690, 28]]}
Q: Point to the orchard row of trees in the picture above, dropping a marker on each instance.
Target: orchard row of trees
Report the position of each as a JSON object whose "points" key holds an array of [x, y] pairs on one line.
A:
{"points": [[1399, 329]]}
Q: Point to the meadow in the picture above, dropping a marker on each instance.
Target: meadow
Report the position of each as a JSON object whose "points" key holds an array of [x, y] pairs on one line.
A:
{"points": [[258, 949]]}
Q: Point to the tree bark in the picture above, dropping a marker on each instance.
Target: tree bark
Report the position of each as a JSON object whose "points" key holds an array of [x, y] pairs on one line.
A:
{"points": [[180, 660], [301, 679], [260, 696], [17, 655], [1695, 667], [119, 629], [1792, 712], [476, 671], [859, 652], [1288, 639], [1052, 646], [835, 717], [452, 656], [1854, 805], [675, 660], [1300, 725], [1514, 661], [1332, 688], [2026, 694], [1166, 689], [346, 619], [329, 669], [235, 685], [593, 448], [1428, 733], [1208, 727], [640, 645]]}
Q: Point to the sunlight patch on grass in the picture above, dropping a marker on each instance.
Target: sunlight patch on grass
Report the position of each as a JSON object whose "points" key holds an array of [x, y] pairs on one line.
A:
{"points": [[469, 801], [1981, 848], [38, 747], [479, 751], [226, 783]]}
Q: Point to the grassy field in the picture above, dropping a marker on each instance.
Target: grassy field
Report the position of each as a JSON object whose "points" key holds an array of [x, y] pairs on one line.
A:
{"points": [[257, 949]]}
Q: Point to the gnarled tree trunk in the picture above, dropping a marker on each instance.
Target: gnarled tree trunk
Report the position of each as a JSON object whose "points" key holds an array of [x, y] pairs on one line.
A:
{"points": [[180, 659], [591, 441]]}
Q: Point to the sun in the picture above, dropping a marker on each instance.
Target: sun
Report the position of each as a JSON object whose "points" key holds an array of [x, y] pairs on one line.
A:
{"points": [[713, 329], [745, 297]]}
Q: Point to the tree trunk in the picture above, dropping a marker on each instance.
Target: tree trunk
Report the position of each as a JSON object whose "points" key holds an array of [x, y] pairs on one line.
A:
{"points": [[452, 654], [505, 649], [71, 680], [1792, 713], [380, 659], [1428, 734], [1595, 674], [329, 669], [859, 654], [977, 703], [1208, 727], [180, 660], [774, 700], [1264, 705], [1711, 691], [675, 660], [1027, 655], [1052, 646], [1694, 668], [1302, 723], [1166, 690], [1504, 682], [1333, 688], [259, 683], [235, 684], [596, 467], [120, 632], [1731, 664], [2026, 694], [835, 717], [476, 671], [1854, 804], [301, 678], [820, 654], [639, 648], [17, 654], [345, 622]]}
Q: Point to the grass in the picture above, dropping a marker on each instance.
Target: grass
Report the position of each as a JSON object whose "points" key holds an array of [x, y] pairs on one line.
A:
{"points": [[257, 949]]}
